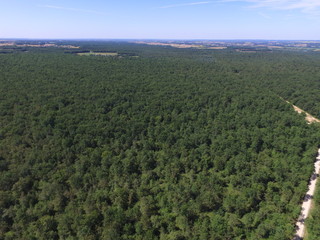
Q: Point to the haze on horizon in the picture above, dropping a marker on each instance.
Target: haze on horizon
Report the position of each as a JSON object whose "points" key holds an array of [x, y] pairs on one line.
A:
{"points": [[168, 19]]}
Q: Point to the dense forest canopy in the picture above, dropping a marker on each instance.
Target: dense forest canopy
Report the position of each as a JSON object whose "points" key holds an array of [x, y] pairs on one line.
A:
{"points": [[155, 143]]}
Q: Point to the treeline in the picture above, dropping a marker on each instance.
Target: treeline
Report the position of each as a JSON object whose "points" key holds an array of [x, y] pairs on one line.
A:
{"points": [[175, 144]]}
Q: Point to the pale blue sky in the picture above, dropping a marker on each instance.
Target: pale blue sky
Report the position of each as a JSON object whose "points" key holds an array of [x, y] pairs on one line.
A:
{"points": [[162, 19]]}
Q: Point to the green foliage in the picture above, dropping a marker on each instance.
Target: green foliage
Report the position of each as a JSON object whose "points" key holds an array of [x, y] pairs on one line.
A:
{"points": [[312, 223], [174, 144]]}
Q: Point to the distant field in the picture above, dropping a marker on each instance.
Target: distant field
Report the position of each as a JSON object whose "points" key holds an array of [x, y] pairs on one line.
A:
{"points": [[112, 54]]}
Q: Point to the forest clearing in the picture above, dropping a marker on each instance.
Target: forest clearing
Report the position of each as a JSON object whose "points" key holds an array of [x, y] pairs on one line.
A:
{"points": [[111, 54]]}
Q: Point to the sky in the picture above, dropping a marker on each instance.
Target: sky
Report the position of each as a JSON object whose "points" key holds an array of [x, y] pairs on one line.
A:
{"points": [[161, 19]]}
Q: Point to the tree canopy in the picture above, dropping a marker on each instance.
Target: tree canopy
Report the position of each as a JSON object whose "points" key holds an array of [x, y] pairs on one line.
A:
{"points": [[156, 143]]}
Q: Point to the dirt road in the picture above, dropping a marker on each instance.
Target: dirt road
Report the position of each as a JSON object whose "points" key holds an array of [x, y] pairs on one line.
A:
{"points": [[309, 117], [307, 203]]}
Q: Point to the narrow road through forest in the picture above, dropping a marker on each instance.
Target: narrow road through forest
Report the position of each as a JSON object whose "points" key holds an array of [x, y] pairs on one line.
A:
{"points": [[307, 202]]}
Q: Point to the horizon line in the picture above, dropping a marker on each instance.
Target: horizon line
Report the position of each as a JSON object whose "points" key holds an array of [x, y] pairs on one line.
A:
{"points": [[162, 39]]}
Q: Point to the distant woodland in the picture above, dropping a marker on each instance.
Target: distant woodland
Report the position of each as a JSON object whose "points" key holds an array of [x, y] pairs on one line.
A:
{"points": [[155, 143]]}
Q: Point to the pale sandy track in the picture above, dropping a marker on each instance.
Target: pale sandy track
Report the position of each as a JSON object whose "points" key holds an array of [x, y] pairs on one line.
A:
{"points": [[309, 117], [307, 203]]}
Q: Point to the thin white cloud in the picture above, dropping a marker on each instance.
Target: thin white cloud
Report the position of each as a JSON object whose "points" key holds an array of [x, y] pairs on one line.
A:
{"points": [[74, 9], [304, 5], [185, 4], [264, 15]]}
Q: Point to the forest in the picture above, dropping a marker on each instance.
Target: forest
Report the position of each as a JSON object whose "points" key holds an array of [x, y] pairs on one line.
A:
{"points": [[155, 143], [312, 222]]}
